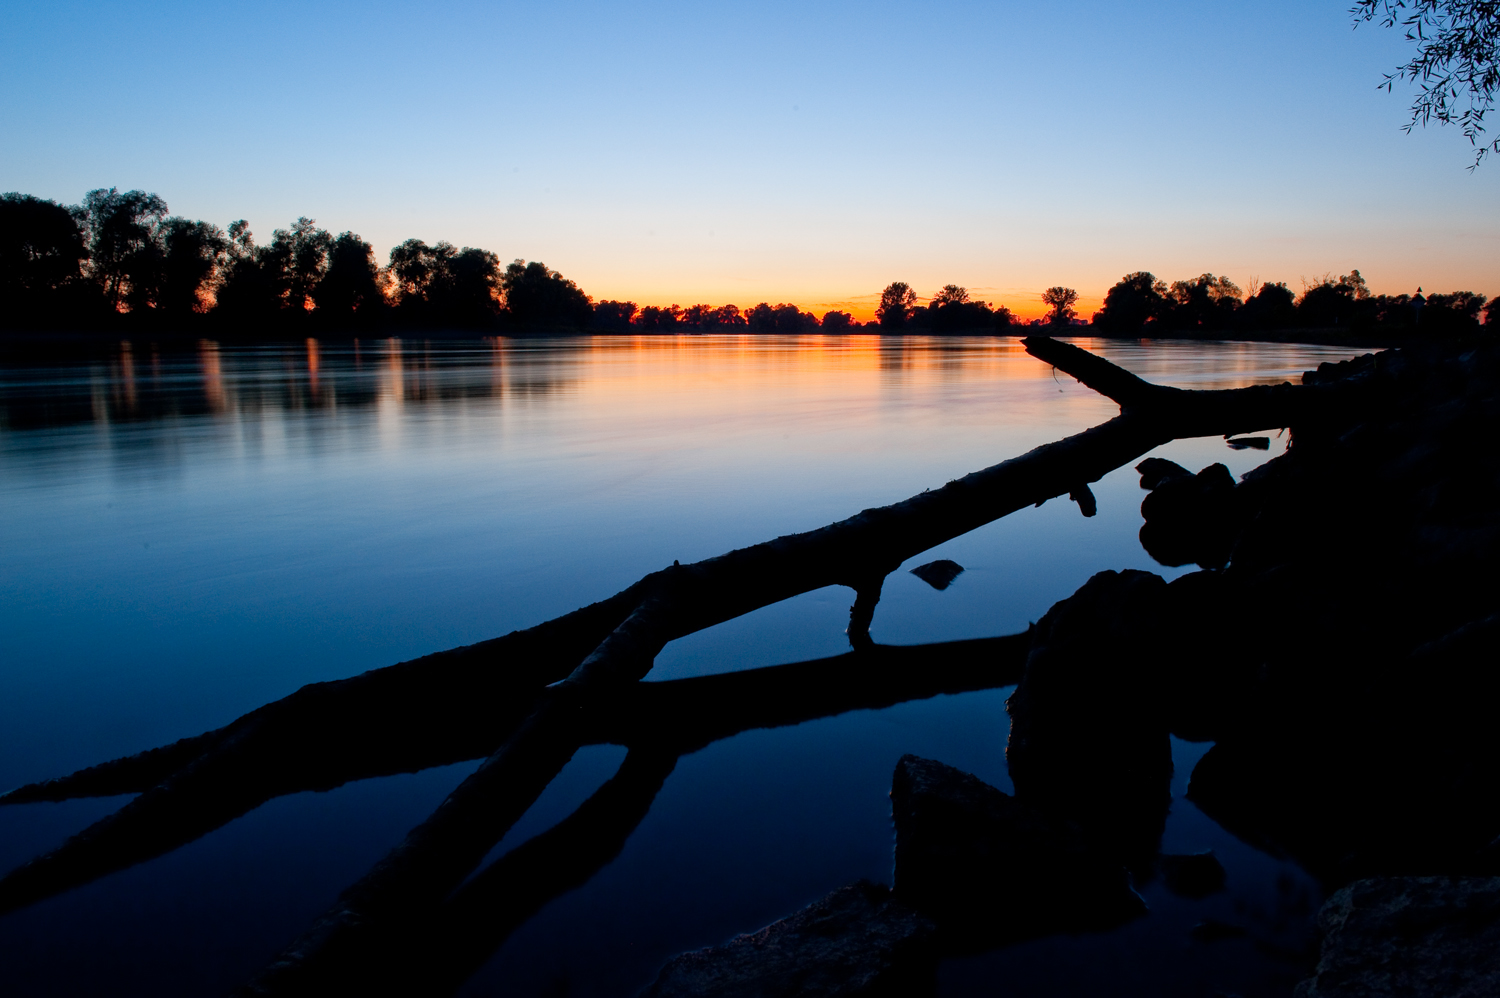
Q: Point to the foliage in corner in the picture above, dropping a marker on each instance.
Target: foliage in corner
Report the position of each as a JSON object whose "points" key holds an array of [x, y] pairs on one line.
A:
{"points": [[1456, 62]]}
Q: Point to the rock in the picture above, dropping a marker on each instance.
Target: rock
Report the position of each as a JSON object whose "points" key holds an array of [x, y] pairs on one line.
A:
{"points": [[1192, 875], [856, 941], [939, 574], [991, 870], [1410, 936], [1249, 443], [1195, 519], [1088, 735], [1157, 471]]}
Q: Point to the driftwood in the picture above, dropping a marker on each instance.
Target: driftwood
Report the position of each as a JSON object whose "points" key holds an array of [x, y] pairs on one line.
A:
{"points": [[498, 692]]}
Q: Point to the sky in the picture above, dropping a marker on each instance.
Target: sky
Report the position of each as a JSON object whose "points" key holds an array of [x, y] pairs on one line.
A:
{"points": [[807, 152]]}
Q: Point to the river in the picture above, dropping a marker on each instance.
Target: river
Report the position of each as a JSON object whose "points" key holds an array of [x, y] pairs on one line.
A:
{"points": [[190, 533]]}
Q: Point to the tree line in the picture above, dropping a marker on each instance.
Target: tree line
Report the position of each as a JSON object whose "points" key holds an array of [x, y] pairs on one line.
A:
{"points": [[121, 260], [1141, 305]]}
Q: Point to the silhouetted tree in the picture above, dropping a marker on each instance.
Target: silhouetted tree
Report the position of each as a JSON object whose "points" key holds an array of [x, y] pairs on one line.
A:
{"points": [[614, 316], [953, 311], [726, 317], [1452, 314], [470, 297], [1060, 301], [536, 297], [273, 281], [1457, 64], [350, 292], [1342, 301], [782, 318], [192, 253], [896, 304], [42, 254], [656, 319], [443, 286], [697, 317], [124, 254], [304, 249], [1273, 306], [837, 322], [1203, 304], [1137, 301], [248, 292], [1492, 315], [416, 268]]}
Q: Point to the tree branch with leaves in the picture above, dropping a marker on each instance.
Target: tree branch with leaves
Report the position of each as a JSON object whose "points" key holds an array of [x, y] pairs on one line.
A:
{"points": [[1456, 65]]}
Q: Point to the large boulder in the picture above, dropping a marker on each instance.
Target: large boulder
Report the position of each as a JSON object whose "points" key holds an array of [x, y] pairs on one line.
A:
{"points": [[857, 941], [991, 870], [1088, 722], [1410, 937]]}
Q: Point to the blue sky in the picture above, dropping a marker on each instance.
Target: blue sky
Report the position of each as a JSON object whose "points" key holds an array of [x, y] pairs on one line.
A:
{"points": [[807, 152]]}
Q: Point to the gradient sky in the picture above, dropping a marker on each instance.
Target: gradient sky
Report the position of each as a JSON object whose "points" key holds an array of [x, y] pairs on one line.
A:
{"points": [[808, 152]]}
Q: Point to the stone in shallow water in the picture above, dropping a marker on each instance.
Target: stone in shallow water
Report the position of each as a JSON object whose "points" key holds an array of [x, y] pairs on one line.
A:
{"points": [[857, 941], [991, 870], [1410, 936], [939, 574]]}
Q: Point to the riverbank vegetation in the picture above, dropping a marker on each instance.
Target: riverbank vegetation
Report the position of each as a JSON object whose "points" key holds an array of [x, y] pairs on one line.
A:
{"points": [[121, 263]]}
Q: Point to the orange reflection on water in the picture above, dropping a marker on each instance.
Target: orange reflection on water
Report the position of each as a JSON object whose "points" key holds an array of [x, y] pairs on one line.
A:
{"points": [[312, 367], [393, 376], [213, 376]]}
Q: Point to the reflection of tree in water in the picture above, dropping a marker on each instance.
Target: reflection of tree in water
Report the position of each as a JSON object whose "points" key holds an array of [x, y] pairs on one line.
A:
{"points": [[140, 383]]}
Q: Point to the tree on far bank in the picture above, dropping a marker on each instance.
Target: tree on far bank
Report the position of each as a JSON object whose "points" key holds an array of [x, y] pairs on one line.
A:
{"points": [[351, 291], [1272, 306], [782, 318], [1060, 301], [836, 322], [124, 255], [614, 316], [1205, 303], [42, 253], [1136, 301], [952, 310], [896, 304], [537, 298], [1452, 314], [192, 253]]}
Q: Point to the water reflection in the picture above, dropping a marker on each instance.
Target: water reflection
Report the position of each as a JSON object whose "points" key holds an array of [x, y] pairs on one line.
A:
{"points": [[138, 382]]}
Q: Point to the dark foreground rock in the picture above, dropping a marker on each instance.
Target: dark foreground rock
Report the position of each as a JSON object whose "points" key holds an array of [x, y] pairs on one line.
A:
{"points": [[1410, 937], [991, 870], [1088, 734], [858, 940]]}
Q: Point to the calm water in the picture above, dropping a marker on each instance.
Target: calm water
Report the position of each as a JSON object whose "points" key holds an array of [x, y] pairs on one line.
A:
{"points": [[188, 535]]}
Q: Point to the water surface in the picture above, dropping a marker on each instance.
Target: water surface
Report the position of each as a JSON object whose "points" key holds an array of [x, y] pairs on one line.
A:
{"points": [[190, 534]]}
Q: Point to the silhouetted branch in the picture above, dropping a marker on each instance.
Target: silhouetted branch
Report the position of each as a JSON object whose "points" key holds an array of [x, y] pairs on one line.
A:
{"points": [[1097, 373]]}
